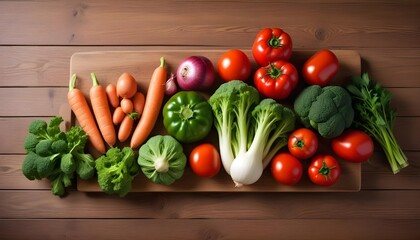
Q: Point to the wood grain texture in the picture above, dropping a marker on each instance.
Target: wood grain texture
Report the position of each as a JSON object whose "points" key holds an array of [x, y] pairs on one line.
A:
{"points": [[225, 22], [37, 39], [403, 204], [81, 229], [29, 66]]}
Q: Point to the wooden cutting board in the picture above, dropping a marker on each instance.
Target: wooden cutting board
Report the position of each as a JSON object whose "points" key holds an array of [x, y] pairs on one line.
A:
{"points": [[109, 65]]}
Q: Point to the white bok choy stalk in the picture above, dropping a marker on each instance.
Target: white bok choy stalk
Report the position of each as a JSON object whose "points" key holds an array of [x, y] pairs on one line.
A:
{"points": [[250, 132]]}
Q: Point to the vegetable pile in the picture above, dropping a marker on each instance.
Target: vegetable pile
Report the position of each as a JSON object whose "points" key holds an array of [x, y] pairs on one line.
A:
{"points": [[254, 120]]}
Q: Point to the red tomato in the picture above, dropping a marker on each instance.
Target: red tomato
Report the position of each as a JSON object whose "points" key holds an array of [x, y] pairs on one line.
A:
{"points": [[277, 80], [320, 68], [324, 170], [286, 169], [271, 44], [205, 160], [353, 145], [303, 143], [234, 65]]}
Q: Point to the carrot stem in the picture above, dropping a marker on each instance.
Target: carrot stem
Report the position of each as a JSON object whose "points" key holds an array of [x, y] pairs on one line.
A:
{"points": [[72, 82], [94, 79]]}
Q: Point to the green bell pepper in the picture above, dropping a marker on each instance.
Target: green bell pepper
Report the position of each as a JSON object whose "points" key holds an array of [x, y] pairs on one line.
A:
{"points": [[187, 116]]}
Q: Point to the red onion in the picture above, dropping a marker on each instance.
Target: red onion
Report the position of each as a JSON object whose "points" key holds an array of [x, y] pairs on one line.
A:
{"points": [[170, 86], [195, 73]]}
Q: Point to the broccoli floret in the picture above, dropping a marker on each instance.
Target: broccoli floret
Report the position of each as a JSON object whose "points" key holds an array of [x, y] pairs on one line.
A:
{"points": [[59, 146], [43, 148], [67, 164], [114, 176], [85, 165], [328, 110], [29, 166], [30, 142], [76, 139], [44, 166], [39, 128]]}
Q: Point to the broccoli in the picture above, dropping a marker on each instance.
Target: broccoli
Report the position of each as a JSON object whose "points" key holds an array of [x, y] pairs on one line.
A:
{"points": [[29, 167], [250, 131], [85, 164], [115, 171], [56, 155], [30, 142], [67, 164], [328, 110]]}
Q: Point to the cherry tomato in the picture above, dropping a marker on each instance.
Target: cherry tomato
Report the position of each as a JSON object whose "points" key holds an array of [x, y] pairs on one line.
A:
{"points": [[320, 68], [324, 170], [303, 143], [353, 145], [205, 160], [234, 65], [286, 169]]}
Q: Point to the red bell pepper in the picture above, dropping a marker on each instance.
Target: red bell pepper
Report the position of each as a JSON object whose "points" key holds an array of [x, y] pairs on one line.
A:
{"points": [[276, 80], [271, 44]]}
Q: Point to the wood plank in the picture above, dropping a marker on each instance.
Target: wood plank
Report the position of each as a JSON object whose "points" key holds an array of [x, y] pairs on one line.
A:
{"points": [[49, 66], [24, 102], [186, 229], [145, 23], [403, 204], [376, 174]]}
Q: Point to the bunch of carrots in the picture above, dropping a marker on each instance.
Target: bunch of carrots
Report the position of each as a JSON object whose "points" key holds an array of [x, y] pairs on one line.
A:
{"points": [[128, 104]]}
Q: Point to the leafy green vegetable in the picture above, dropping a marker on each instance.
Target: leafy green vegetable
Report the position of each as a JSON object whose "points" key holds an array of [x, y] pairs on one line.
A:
{"points": [[116, 170], [162, 159], [375, 116], [326, 109], [56, 155], [250, 131]]}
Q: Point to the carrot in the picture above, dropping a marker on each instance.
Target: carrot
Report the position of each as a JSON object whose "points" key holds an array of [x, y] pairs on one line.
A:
{"points": [[111, 92], [101, 111], [126, 105], [152, 105], [138, 102], [118, 116], [126, 126], [84, 116]]}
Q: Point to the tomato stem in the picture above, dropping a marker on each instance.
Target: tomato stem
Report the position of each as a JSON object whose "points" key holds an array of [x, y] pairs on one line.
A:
{"points": [[325, 170], [274, 42], [273, 71]]}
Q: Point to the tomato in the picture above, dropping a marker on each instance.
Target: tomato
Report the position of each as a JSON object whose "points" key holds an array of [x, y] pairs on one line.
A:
{"points": [[324, 170], [276, 80], [271, 44], [320, 68], [205, 160], [303, 143], [286, 169], [234, 65], [353, 145]]}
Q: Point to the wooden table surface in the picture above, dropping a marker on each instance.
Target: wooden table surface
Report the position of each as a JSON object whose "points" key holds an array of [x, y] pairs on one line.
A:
{"points": [[37, 39]]}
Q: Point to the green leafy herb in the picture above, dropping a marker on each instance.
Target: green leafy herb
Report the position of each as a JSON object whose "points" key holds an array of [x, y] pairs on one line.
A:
{"points": [[374, 115]]}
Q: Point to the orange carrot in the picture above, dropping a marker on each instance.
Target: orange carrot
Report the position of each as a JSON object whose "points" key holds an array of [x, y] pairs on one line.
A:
{"points": [[81, 110], [126, 105], [101, 111], [126, 126], [111, 92], [152, 105], [118, 116], [138, 102]]}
